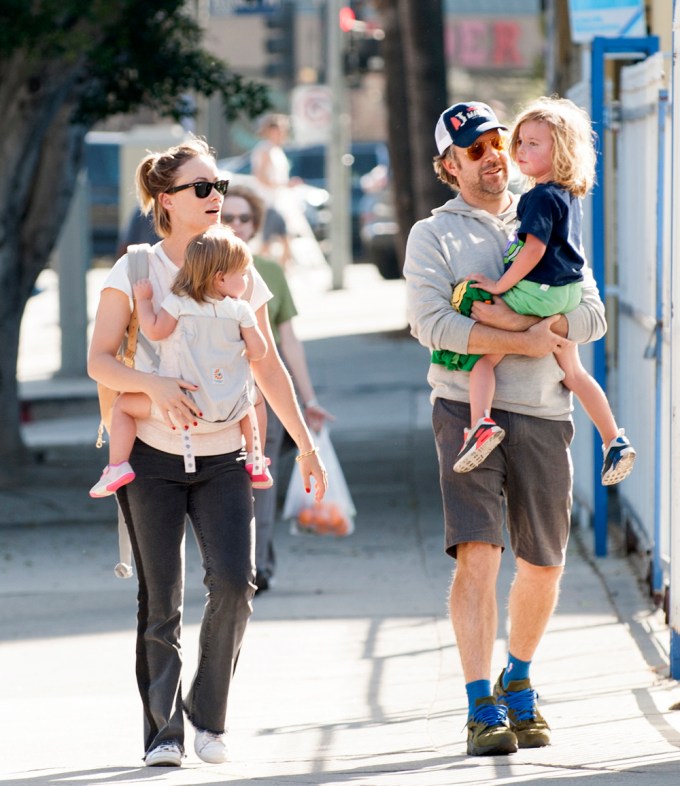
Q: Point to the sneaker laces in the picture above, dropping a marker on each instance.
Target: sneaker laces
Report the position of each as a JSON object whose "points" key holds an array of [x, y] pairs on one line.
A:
{"points": [[522, 703], [166, 746], [491, 714]]}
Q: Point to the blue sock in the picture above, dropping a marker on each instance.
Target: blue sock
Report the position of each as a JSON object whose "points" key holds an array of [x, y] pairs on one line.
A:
{"points": [[516, 670], [476, 690]]}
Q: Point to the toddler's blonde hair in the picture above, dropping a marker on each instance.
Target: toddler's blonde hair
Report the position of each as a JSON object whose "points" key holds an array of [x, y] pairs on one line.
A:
{"points": [[215, 251], [573, 152]]}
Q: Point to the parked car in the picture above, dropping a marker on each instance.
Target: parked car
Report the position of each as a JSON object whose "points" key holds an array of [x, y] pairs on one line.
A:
{"points": [[314, 200], [308, 162], [378, 223]]}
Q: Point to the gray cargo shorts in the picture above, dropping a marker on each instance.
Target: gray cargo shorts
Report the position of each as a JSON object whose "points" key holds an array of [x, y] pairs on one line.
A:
{"points": [[526, 483]]}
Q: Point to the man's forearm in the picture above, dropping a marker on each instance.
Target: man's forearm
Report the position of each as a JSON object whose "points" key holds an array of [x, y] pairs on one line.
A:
{"points": [[538, 340], [486, 340], [507, 320]]}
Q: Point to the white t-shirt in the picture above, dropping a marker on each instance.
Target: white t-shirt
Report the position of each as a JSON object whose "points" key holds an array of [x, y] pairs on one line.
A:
{"points": [[162, 272]]}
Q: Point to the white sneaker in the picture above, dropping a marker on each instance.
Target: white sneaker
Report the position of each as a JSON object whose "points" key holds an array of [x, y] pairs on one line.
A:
{"points": [[167, 754], [211, 747], [113, 477], [618, 459], [478, 442]]}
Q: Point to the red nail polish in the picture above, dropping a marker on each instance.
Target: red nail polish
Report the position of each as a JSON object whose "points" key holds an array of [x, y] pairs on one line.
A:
{"points": [[186, 428], [308, 490], [195, 423]]}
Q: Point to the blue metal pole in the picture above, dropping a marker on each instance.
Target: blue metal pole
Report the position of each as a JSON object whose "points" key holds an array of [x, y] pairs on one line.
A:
{"points": [[602, 48], [598, 263], [674, 535], [657, 571]]}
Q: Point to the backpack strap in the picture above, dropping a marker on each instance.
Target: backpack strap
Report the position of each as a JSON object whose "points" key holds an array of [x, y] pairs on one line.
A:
{"points": [[138, 268]]}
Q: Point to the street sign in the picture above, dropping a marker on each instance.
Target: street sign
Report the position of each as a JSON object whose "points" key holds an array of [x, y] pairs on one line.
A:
{"points": [[606, 18], [229, 7], [312, 114]]}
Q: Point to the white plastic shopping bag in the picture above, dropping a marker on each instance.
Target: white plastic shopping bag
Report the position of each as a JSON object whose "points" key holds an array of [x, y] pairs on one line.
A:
{"points": [[334, 515]]}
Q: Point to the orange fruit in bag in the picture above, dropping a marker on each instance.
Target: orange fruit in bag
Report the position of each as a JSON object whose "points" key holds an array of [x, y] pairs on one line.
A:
{"points": [[305, 518], [338, 520]]}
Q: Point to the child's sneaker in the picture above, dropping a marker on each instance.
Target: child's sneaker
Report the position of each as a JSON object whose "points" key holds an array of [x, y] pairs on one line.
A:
{"points": [[619, 457], [262, 481], [480, 440], [113, 477]]}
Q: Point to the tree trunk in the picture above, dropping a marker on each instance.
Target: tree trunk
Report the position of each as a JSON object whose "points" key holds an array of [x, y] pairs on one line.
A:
{"points": [[398, 137], [422, 31], [41, 151]]}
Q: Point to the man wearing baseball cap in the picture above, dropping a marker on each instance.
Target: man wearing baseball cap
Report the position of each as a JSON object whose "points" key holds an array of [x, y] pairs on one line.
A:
{"points": [[525, 483]]}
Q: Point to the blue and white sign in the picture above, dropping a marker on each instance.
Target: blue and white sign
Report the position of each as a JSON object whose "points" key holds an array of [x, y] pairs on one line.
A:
{"points": [[228, 7], [608, 18]]}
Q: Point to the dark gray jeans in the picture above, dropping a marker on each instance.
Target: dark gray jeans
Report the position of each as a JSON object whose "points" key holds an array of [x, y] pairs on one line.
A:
{"points": [[218, 500], [265, 499]]}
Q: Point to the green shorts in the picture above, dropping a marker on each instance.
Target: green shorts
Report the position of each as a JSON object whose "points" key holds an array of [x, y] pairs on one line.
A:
{"points": [[541, 300]]}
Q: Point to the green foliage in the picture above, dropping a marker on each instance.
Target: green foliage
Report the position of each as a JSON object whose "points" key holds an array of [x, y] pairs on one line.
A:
{"points": [[127, 54]]}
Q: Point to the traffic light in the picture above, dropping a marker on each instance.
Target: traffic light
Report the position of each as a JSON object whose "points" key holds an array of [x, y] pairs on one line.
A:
{"points": [[362, 51], [280, 42]]}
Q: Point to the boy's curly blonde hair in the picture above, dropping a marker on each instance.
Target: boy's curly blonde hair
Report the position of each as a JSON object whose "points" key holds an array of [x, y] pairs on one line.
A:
{"points": [[573, 152]]}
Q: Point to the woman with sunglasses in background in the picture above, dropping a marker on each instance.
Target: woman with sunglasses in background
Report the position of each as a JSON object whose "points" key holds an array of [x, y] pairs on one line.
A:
{"points": [[244, 212], [182, 187]]}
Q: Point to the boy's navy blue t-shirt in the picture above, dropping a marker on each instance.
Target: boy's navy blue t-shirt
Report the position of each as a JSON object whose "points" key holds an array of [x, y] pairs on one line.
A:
{"points": [[553, 215]]}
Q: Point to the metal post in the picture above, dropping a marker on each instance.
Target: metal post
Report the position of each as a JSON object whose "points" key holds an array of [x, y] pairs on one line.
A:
{"points": [[657, 569], [73, 255], [674, 610], [602, 48], [337, 153]]}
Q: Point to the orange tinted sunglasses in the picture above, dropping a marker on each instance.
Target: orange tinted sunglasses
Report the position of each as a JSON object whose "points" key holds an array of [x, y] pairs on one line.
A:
{"points": [[476, 149]]}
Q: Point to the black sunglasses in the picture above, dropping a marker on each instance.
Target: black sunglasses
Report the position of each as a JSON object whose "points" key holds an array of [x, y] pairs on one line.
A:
{"points": [[229, 218], [202, 188]]}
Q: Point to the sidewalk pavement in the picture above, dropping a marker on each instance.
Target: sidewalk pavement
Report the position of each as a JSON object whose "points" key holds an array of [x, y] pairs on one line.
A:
{"points": [[348, 673]]}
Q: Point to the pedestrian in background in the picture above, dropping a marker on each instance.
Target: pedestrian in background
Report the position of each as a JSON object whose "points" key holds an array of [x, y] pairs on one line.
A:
{"points": [[273, 183], [526, 481], [243, 211], [183, 188]]}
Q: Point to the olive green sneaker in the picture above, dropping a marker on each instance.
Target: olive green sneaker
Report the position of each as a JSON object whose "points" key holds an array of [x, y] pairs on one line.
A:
{"points": [[488, 731], [529, 726]]}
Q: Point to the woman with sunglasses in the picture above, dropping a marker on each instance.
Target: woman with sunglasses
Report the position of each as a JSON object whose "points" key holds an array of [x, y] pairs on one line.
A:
{"points": [[182, 187], [244, 212]]}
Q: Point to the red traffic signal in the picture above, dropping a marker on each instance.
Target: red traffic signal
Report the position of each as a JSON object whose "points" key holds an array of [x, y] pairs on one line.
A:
{"points": [[347, 18]]}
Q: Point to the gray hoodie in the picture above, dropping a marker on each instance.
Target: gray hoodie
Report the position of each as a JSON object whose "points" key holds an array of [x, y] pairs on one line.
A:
{"points": [[458, 240]]}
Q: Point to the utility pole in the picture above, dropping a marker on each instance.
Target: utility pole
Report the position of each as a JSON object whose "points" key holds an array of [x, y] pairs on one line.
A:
{"points": [[337, 154], [72, 261], [674, 610]]}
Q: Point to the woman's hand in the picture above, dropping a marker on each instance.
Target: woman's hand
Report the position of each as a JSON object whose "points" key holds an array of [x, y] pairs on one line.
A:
{"points": [[316, 416], [167, 394], [311, 466]]}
